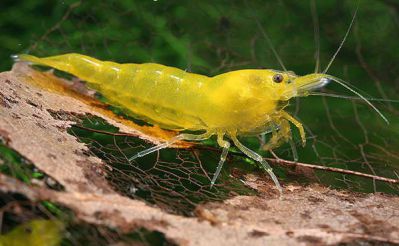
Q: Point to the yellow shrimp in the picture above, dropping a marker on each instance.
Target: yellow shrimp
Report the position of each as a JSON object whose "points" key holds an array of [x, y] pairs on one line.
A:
{"points": [[237, 103], [232, 104]]}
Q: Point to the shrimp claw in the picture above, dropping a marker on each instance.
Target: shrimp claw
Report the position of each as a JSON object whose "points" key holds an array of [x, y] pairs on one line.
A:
{"points": [[297, 125]]}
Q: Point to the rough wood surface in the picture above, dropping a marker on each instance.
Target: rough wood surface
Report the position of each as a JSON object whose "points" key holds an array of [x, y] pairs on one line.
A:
{"points": [[306, 215]]}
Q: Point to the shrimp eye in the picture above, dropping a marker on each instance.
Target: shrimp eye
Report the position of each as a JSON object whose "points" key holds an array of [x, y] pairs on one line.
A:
{"points": [[278, 78]]}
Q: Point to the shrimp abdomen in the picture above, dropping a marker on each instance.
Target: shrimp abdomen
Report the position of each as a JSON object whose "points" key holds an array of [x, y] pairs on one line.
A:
{"points": [[162, 95], [83, 67]]}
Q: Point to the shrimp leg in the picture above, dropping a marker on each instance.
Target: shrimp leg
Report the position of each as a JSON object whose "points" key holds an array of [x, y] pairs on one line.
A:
{"points": [[225, 145], [283, 134], [297, 124], [255, 156], [279, 135], [183, 136]]}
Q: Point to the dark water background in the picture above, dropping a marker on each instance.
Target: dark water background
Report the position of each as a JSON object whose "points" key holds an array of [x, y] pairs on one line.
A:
{"points": [[212, 37]]}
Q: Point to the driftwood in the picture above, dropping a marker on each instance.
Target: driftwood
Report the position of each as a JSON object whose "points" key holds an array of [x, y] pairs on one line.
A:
{"points": [[306, 215]]}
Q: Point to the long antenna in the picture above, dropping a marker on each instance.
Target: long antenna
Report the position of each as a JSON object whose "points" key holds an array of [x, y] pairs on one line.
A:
{"points": [[351, 97], [316, 31], [342, 83], [343, 40], [269, 41]]}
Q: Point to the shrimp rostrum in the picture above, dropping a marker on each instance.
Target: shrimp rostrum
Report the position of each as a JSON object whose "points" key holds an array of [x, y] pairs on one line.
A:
{"points": [[229, 105]]}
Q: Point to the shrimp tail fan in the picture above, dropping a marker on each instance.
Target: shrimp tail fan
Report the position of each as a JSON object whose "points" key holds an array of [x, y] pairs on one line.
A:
{"points": [[27, 58]]}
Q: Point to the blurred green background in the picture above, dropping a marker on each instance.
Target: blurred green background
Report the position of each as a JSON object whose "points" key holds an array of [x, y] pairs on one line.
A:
{"points": [[212, 37]]}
